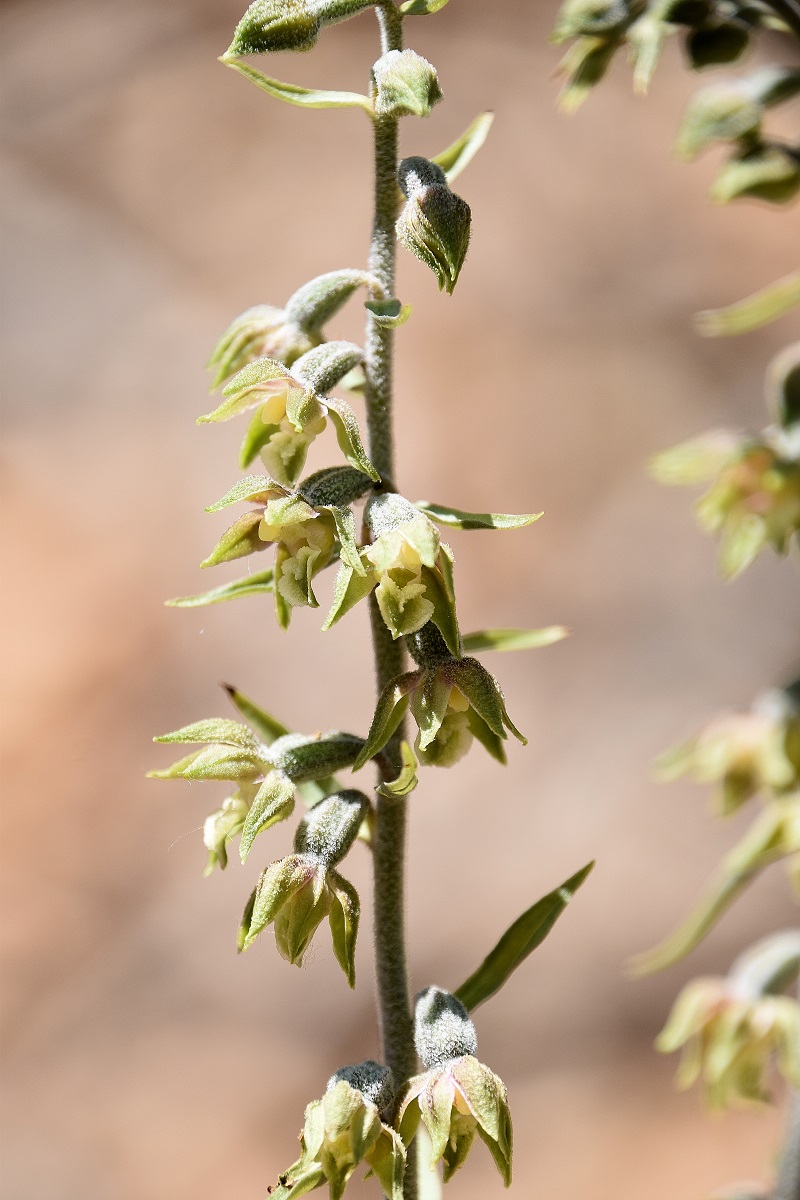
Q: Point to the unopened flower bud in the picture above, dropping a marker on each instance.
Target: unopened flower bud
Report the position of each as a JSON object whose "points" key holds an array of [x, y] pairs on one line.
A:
{"points": [[271, 25], [324, 366], [442, 1028], [374, 1081], [405, 85], [313, 305], [435, 223], [328, 830], [305, 758]]}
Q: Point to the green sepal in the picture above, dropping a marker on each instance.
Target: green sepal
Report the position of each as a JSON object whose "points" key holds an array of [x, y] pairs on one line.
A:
{"points": [[460, 154], [389, 314], [343, 919], [407, 780], [763, 307], [290, 93], [348, 435], [520, 939], [389, 712], [421, 8], [387, 1160], [405, 85], [253, 489], [279, 885], [251, 585], [583, 66], [774, 835], [513, 639], [486, 1097], [220, 730], [456, 518], [214, 763], [222, 826], [298, 1183], [258, 434], [245, 390], [346, 532], [429, 702], [348, 590], [439, 590], [769, 172], [487, 737], [238, 541], [436, 1114], [273, 802]]}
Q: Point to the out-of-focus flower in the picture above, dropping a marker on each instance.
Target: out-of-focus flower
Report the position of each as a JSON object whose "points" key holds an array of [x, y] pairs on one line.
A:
{"points": [[754, 498], [733, 1030], [746, 753]]}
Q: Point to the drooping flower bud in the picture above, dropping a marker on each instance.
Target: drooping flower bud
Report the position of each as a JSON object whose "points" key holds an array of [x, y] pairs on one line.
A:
{"points": [[435, 223], [457, 1098], [259, 332], [272, 25], [405, 85], [343, 1130]]}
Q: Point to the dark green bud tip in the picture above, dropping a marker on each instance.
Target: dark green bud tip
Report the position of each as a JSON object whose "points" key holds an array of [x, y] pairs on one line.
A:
{"points": [[328, 830], [442, 1028], [417, 173], [335, 485], [427, 647], [375, 1082]]}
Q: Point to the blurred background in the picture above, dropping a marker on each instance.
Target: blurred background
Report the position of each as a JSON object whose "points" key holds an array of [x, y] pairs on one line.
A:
{"points": [[150, 195]]}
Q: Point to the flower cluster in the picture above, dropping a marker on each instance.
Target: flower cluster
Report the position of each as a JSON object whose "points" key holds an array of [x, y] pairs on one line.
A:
{"points": [[733, 1029]]}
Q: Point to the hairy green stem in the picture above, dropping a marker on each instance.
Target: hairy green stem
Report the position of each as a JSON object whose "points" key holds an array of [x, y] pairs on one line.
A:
{"points": [[394, 1006]]}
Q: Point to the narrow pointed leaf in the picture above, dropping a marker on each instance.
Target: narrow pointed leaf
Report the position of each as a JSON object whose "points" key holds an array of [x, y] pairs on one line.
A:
{"points": [[513, 639], [764, 306], [389, 712], [527, 932], [215, 762], [290, 93], [460, 154], [251, 585], [343, 918], [346, 532], [456, 518]]}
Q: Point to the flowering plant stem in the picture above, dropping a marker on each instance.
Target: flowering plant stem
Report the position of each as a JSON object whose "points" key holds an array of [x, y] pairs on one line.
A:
{"points": [[394, 1005]]}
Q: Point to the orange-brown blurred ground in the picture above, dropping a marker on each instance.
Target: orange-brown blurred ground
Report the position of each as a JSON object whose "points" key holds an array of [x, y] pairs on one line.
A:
{"points": [[149, 196]]}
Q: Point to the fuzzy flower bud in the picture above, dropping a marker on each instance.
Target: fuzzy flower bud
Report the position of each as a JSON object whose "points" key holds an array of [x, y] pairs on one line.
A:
{"points": [[328, 830], [435, 223], [343, 1130], [442, 1028], [259, 332], [272, 25], [406, 85], [457, 1098]]}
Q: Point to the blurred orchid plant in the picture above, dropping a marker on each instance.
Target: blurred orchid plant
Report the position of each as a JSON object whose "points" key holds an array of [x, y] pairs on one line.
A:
{"points": [[278, 367], [733, 1031]]}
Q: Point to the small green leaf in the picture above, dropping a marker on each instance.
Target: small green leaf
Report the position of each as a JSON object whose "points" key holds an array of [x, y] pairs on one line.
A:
{"points": [[343, 919], [421, 8], [214, 763], [238, 541], [290, 93], [513, 639], [389, 314], [525, 935], [346, 532], [456, 518], [349, 589], [407, 780], [251, 585], [348, 435], [761, 308], [215, 729], [460, 154], [389, 712]]}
